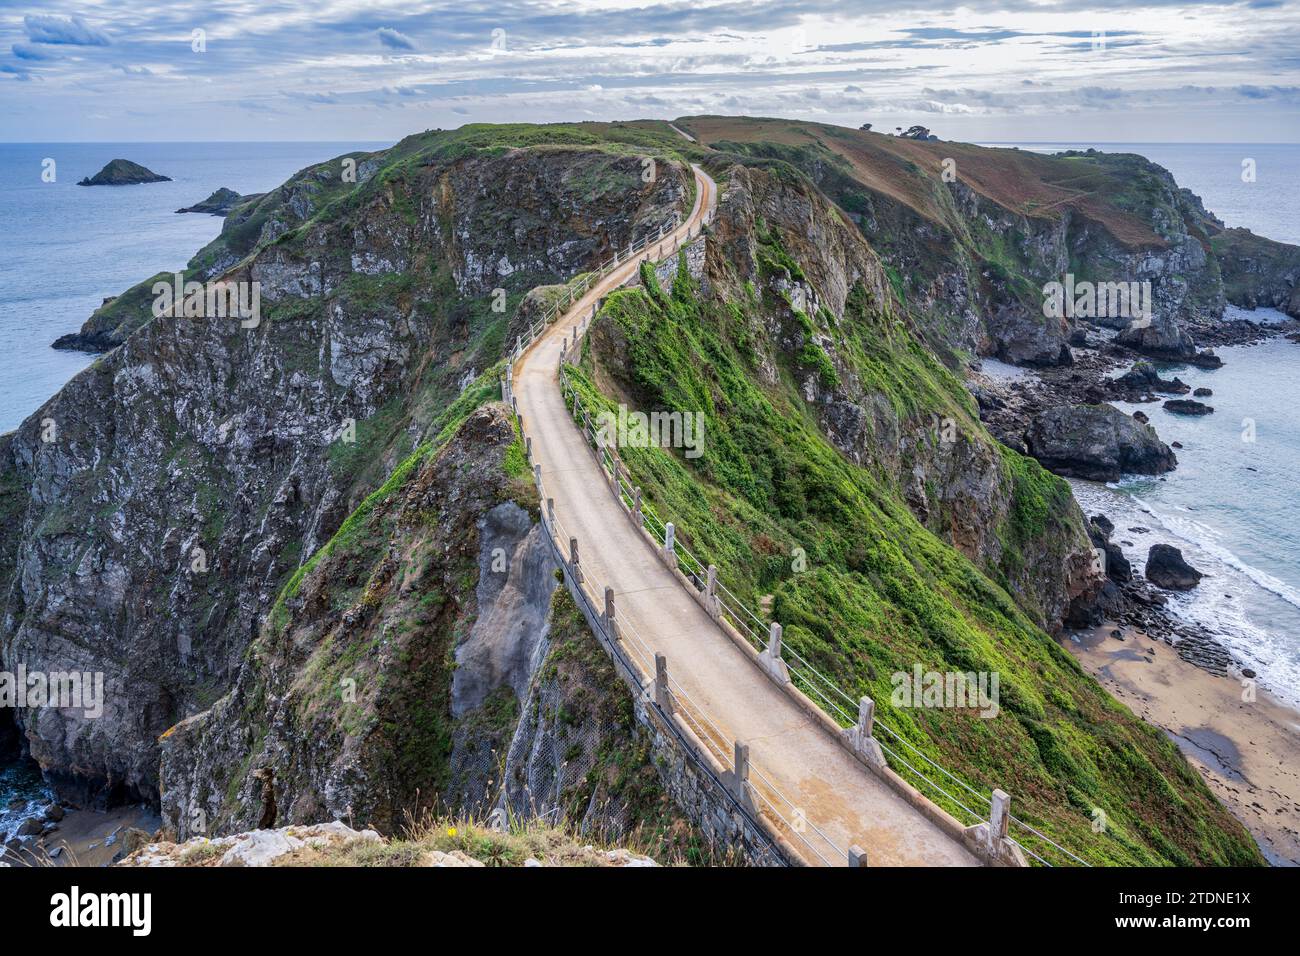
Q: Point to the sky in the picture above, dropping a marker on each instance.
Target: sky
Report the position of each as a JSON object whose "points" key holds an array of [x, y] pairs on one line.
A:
{"points": [[340, 70]]}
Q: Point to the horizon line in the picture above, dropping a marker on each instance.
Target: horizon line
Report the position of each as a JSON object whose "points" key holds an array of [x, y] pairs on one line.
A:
{"points": [[974, 142]]}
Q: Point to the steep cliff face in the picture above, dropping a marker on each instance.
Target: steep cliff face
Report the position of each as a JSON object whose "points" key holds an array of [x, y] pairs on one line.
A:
{"points": [[155, 506], [345, 705], [823, 309], [970, 236], [819, 406], [1258, 271], [425, 662], [304, 550]]}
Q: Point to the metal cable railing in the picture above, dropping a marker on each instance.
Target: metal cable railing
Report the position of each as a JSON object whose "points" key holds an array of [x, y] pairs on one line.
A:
{"points": [[817, 685], [738, 614], [575, 289], [641, 665]]}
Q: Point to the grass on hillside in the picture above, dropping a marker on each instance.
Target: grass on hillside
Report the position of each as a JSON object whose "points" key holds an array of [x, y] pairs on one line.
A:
{"points": [[880, 593]]}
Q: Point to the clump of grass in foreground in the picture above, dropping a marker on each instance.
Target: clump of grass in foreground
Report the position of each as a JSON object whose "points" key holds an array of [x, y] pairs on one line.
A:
{"points": [[550, 844]]}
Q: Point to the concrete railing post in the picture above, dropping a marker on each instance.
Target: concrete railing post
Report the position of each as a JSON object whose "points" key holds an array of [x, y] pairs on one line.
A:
{"points": [[993, 838], [514, 405], [550, 512], [610, 623], [636, 507], [519, 345], [1000, 815], [573, 561], [771, 660], [860, 735], [711, 592], [737, 779], [670, 539], [537, 477], [857, 856], [663, 695], [528, 448]]}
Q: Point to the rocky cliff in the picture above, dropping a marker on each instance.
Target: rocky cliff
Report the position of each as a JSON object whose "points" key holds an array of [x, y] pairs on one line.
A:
{"points": [[303, 549], [970, 236], [827, 315], [154, 507], [425, 662]]}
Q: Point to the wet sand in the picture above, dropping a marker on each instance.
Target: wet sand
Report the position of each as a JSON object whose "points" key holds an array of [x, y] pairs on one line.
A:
{"points": [[1247, 751], [82, 838]]}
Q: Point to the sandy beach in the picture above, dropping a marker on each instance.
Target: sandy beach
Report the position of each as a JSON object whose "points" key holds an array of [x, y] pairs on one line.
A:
{"points": [[86, 838], [1247, 751]]}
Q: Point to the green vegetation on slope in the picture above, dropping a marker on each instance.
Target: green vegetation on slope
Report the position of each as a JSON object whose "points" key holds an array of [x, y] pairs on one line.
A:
{"points": [[880, 594]]}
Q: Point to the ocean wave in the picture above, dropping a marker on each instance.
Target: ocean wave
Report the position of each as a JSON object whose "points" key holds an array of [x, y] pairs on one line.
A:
{"points": [[1204, 538], [1267, 650]]}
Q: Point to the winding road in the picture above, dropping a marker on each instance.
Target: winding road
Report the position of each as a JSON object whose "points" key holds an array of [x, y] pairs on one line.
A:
{"points": [[842, 802]]}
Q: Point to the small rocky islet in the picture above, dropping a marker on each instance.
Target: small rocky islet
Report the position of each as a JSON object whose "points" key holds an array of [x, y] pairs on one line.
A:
{"points": [[123, 172]]}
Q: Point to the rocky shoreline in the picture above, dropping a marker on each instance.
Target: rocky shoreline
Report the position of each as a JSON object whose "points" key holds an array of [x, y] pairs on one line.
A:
{"points": [[1015, 410]]}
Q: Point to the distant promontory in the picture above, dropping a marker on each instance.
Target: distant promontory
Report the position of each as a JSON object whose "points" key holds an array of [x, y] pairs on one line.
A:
{"points": [[123, 172], [218, 204]]}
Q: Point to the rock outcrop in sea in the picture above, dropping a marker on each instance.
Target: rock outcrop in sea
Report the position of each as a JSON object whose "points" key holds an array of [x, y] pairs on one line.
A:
{"points": [[123, 172], [1166, 568], [1097, 442]]}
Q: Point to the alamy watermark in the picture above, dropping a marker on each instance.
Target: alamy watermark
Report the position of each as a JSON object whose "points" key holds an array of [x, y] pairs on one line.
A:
{"points": [[1097, 300], [657, 430], [966, 690], [210, 300], [61, 690]]}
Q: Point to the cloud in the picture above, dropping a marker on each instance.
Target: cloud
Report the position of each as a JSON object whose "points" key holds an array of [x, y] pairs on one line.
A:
{"points": [[65, 31], [25, 51], [1252, 92], [20, 73], [675, 57], [394, 40]]}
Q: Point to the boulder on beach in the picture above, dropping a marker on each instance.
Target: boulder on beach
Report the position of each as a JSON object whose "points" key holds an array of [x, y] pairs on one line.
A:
{"points": [[1097, 442], [123, 172], [1187, 406], [1167, 569]]}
